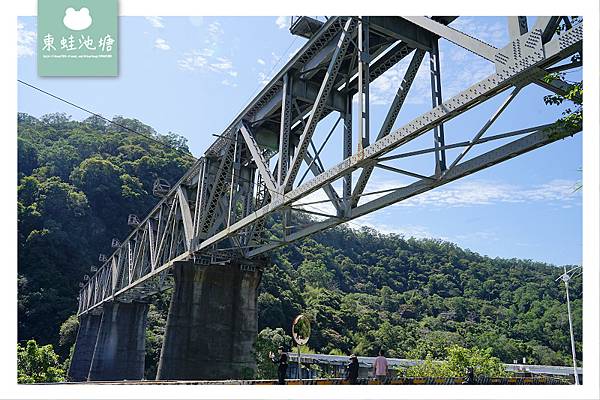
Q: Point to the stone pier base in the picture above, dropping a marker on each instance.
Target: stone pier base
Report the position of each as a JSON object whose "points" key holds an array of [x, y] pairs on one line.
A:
{"points": [[84, 347], [212, 323], [120, 349]]}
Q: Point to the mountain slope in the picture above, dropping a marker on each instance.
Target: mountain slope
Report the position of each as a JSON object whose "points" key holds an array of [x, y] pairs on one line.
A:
{"points": [[78, 181]]}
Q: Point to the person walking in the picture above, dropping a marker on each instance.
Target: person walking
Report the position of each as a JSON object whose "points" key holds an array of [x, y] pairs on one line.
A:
{"points": [[352, 369], [380, 367], [282, 364]]}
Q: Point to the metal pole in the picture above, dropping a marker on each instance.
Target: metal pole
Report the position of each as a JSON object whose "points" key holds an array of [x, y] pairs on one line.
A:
{"points": [[436, 100], [232, 179], [566, 278], [363, 83], [284, 130], [299, 365], [347, 153]]}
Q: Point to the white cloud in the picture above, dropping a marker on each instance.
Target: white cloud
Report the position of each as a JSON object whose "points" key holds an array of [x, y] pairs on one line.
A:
{"points": [[420, 231], [210, 59], [161, 44], [192, 61], [206, 52], [472, 193], [268, 68], [263, 79], [227, 82], [156, 22], [483, 192], [215, 31], [416, 231], [557, 193], [483, 28], [384, 88], [206, 62], [282, 22], [479, 235], [459, 67], [222, 64], [25, 41]]}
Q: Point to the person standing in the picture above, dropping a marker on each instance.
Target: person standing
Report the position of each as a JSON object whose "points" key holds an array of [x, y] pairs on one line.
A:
{"points": [[282, 364], [470, 378], [352, 368], [380, 367]]}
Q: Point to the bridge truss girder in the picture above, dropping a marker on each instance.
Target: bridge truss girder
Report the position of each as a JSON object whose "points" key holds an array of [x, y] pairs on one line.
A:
{"points": [[219, 208]]}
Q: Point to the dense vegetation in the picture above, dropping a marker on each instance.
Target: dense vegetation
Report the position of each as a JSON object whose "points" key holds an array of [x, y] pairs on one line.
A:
{"points": [[78, 181], [37, 364], [366, 290], [456, 362]]}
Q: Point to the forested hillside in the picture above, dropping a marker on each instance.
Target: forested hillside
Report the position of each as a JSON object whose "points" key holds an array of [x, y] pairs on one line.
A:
{"points": [[78, 181]]}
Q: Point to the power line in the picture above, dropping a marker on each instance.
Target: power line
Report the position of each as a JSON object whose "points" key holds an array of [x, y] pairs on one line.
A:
{"points": [[149, 137]]}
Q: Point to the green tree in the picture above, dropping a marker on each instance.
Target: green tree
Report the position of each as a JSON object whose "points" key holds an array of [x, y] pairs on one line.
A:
{"points": [[457, 361], [67, 336], [572, 119], [269, 340], [316, 273], [155, 331], [37, 364], [75, 191], [429, 367], [482, 361]]}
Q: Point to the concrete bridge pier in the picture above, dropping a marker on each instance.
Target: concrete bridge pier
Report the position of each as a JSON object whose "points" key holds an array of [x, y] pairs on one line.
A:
{"points": [[84, 347], [120, 348], [212, 324]]}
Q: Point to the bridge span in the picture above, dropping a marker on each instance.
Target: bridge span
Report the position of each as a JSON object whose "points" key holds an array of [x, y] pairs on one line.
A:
{"points": [[210, 233]]}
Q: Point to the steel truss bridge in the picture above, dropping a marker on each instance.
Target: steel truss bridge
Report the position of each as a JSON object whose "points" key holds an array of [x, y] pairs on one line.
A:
{"points": [[218, 210]]}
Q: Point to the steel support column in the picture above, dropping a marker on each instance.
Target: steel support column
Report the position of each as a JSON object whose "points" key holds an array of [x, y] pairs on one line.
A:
{"points": [[347, 152], [284, 130], [363, 83], [436, 100], [390, 118], [319, 106]]}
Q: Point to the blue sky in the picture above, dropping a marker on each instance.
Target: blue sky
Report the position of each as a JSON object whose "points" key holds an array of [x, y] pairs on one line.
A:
{"points": [[192, 75]]}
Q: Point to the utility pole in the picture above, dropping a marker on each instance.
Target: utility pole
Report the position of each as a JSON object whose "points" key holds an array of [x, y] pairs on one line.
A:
{"points": [[565, 278]]}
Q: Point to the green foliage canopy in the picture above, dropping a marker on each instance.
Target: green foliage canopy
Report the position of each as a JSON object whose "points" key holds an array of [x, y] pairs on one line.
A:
{"points": [[456, 363], [38, 364]]}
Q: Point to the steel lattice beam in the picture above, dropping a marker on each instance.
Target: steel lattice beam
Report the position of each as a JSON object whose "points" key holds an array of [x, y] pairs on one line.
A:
{"points": [[318, 107], [220, 207], [390, 118]]}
